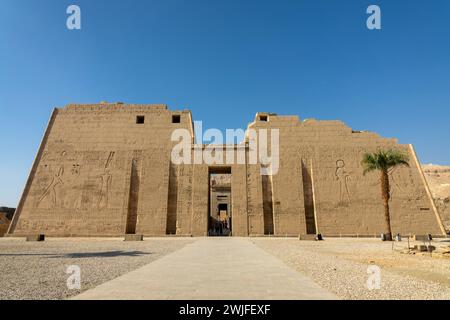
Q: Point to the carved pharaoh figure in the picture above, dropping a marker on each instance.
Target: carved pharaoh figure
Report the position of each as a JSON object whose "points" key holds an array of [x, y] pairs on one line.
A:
{"points": [[343, 176], [48, 199]]}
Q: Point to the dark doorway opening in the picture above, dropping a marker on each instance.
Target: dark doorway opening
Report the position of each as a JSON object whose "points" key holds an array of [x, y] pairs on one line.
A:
{"points": [[219, 222]]}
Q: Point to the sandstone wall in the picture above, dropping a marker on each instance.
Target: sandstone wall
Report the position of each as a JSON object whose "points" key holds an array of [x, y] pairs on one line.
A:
{"points": [[80, 181], [344, 201], [101, 172]]}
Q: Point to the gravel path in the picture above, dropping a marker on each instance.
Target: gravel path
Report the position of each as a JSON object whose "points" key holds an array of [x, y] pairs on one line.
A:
{"points": [[37, 270], [340, 265], [213, 268]]}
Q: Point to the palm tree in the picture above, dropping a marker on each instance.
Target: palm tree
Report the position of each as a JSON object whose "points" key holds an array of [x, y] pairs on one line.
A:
{"points": [[384, 161]]}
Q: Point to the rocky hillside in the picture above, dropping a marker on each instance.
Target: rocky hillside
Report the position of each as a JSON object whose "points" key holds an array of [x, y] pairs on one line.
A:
{"points": [[6, 215], [438, 178]]}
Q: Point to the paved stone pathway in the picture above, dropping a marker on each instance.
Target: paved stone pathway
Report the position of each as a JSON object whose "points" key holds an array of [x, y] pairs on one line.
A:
{"points": [[212, 268]]}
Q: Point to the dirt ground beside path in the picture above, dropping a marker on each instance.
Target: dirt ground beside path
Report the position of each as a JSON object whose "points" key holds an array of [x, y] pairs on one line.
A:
{"points": [[33, 270], [340, 265], [37, 270]]}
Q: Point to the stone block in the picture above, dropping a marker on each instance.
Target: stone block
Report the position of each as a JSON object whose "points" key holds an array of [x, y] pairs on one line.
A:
{"points": [[35, 237], [421, 237], [310, 237], [420, 248], [134, 237]]}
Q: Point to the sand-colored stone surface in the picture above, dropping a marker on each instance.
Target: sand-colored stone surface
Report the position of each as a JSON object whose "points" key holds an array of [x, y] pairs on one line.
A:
{"points": [[105, 169]]}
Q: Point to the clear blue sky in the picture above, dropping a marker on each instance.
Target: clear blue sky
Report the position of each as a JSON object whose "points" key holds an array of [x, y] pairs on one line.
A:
{"points": [[225, 60]]}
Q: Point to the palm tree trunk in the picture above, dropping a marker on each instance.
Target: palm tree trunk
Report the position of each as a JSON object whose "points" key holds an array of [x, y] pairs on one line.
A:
{"points": [[385, 193]]}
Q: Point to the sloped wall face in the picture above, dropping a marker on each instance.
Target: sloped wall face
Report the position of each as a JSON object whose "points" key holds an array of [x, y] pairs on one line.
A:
{"points": [[76, 192], [342, 199], [349, 203], [104, 170], [80, 182]]}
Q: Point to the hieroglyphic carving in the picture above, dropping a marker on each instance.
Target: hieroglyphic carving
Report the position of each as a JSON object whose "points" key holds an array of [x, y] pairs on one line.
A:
{"points": [[400, 184], [66, 185], [74, 185]]}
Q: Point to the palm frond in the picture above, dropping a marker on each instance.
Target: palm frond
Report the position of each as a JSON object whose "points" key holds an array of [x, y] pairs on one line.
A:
{"points": [[384, 160]]}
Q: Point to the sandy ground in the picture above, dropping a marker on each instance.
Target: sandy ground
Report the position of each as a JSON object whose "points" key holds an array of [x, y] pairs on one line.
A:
{"points": [[34, 270], [341, 265], [37, 270]]}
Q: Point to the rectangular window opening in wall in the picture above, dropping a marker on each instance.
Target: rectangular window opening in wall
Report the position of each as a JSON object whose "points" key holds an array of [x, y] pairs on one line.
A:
{"points": [[263, 118], [140, 119], [176, 118]]}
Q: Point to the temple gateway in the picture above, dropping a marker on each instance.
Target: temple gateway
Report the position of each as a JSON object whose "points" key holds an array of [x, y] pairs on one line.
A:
{"points": [[106, 170]]}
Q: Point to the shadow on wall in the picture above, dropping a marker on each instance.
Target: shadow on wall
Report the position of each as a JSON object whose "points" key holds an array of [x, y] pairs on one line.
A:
{"points": [[106, 254]]}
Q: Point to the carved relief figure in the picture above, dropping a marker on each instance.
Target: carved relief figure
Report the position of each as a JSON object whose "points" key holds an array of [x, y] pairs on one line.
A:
{"points": [[401, 185], [342, 176], [73, 184], [395, 186], [49, 198], [50, 193], [106, 178], [398, 187]]}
